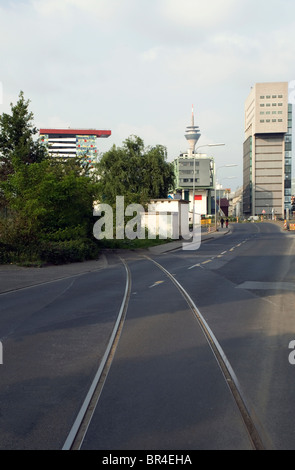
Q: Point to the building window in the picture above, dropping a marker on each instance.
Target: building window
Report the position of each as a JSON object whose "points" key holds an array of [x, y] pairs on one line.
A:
{"points": [[261, 120], [267, 97], [262, 97], [280, 96], [274, 96]]}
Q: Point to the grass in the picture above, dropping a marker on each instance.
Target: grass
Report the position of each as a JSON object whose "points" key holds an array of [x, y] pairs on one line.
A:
{"points": [[132, 244]]}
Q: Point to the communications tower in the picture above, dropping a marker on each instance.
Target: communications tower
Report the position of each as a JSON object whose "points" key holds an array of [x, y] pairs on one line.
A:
{"points": [[192, 135]]}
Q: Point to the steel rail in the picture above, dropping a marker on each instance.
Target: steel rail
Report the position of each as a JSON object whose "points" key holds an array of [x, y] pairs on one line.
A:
{"points": [[78, 431], [251, 424]]}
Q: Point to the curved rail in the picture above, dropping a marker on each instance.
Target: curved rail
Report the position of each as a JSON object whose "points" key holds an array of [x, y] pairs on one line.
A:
{"points": [[81, 423], [76, 436], [247, 415]]}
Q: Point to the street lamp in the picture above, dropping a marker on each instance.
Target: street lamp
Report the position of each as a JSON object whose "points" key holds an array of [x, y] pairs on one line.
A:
{"points": [[215, 178], [194, 180]]}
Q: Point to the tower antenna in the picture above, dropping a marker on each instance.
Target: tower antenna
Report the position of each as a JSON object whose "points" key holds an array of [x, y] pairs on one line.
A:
{"points": [[192, 135]]}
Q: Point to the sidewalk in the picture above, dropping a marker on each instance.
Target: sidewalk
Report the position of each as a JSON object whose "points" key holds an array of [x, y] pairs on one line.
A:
{"points": [[172, 246], [14, 277]]}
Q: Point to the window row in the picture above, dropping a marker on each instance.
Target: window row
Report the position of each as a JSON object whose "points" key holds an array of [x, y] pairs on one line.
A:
{"points": [[189, 164], [270, 96], [268, 105], [272, 120], [189, 172], [189, 180], [273, 112]]}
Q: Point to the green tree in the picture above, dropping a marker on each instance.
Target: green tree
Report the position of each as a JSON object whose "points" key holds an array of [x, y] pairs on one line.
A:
{"points": [[135, 172], [53, 199], [17, 138], [49, 200]]}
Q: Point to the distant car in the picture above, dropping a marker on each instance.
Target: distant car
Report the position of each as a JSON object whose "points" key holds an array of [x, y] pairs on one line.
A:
{"points": [[253, 218]]}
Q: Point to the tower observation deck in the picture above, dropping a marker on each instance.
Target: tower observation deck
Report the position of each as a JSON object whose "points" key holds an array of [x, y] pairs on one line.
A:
{"points": [[192, 135]]}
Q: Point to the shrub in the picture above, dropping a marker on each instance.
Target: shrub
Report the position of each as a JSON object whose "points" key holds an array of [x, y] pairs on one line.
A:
{"points": [[68, 251]]}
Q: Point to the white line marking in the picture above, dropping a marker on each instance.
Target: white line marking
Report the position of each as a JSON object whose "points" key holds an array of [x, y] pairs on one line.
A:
{"points": [[195, 266], [156, 284]]}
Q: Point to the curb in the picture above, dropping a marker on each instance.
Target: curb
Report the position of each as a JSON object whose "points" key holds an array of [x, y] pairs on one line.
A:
{"points": [[160, 249]]}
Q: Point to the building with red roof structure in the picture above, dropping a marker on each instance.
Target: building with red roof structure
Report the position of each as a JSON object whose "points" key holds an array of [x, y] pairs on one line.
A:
{"points": [[67, 143]]}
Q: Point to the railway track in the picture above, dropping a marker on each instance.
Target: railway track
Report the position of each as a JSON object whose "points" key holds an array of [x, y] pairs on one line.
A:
{"points": [[80, 427]]}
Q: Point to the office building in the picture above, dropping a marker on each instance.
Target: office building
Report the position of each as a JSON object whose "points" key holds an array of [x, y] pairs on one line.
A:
{"points": [[267, 157], [67, 143]]}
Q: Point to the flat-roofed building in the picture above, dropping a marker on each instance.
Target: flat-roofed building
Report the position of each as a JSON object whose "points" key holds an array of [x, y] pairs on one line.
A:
{"points": [[194, 173], [67, 143], [267, 157]]}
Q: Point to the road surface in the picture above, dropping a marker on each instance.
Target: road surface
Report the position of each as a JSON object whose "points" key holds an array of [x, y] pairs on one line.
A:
{"points": [[168, 384]]}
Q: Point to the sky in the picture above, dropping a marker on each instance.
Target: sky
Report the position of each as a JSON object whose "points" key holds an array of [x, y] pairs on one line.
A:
{"points": [[136, 67]]}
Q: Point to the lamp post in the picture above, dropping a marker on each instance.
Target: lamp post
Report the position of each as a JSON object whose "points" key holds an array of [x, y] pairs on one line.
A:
{"points": [[215, 178], [194, 180]]}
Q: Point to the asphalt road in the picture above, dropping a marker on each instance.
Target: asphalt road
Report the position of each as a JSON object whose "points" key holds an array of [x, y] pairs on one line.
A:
{"points": [[164, 389]]}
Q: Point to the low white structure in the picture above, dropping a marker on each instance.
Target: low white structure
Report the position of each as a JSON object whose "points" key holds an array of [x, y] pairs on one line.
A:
{"points": [[167, 218]]}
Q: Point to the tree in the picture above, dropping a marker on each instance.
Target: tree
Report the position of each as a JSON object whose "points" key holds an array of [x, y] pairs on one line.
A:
{"points": [[17, 143], [49, 200], [135, 172], [53, 199]]}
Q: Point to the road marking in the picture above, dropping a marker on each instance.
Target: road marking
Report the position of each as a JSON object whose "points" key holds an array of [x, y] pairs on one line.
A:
{"points": [[289, 286], [199, 265], [156, 284], [195, 266], [223, 362]]}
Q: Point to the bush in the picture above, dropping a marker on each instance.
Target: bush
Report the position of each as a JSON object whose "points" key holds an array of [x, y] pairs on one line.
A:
{"points": [[49, 252], [8, 253], [68, 251]]}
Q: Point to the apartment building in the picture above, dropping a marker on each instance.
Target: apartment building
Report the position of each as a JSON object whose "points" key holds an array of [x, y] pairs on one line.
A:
{"points": [[267, 155], [68, 143]]}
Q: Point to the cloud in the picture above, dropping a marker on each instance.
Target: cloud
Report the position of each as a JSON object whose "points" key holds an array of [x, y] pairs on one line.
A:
{"points": [[102, 9], [198, 14], [135, 67]]}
